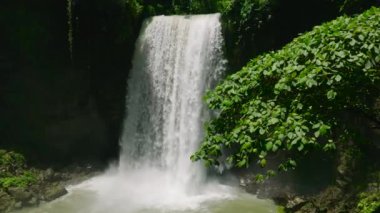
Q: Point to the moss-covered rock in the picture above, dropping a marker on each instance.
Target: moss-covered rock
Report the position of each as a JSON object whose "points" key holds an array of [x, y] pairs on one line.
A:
{"points": [[23, 186]]}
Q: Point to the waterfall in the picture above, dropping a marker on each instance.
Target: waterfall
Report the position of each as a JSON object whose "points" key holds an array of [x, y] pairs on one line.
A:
{"points": [[177, 58]]}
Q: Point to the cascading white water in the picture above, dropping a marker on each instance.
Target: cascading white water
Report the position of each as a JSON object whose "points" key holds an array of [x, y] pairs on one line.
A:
{"points": [[176, 59]]}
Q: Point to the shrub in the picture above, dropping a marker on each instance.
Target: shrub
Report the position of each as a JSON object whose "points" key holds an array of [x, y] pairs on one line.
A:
{"points": [[13, 172], [11, 161], [23, 180], [291, 99], [369, 202]]}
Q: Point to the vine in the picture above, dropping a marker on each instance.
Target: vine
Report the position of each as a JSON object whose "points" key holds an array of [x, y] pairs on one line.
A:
{"points": [[70, 37]]}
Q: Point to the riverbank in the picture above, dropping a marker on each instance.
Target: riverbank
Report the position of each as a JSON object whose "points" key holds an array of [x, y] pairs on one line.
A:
{"points": [[353, 187], [23, 186], [354, 190]]}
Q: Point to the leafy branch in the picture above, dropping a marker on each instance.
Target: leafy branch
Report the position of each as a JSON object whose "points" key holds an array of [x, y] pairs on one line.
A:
{"points": [[290, 100]]}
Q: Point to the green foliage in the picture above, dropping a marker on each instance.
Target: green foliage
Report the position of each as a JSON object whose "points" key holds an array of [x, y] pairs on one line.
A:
{"points": [[248, 7], [207, 6], [247, 26], [135, 7], [290, 100], [23, 180], [246, 14], [13, 172], [261, 178], [369, 202], [150, 8], [11, 160], [281, 209], [223, 6], [353, 6]]}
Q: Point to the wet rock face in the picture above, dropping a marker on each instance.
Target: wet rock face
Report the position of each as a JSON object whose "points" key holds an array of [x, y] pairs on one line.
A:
{"points": [[58, 111], [295, 203], [22, 197], [20, 194], [54, 192], [6, 201], [355, 171]]}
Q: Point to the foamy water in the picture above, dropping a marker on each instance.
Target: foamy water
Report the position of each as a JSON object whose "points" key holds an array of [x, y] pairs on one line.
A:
{"points": [[141, 192]]}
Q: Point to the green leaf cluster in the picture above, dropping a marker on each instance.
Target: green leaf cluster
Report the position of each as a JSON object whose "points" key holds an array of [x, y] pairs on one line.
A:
{"points": [[13, 172], [290, 100], [23, 180], [369, 202], [11, 160]]}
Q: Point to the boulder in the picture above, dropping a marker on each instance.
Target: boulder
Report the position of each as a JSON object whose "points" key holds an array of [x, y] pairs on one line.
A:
{"points": [[48, 174], [6, 201], [18, 205], [20, 194], [295, 203], [32, 202], [55, 191]]}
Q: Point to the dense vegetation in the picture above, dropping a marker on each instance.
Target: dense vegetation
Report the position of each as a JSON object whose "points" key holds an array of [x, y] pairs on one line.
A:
{"points": [[13, 172], [369, 203], [293, 100]]}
